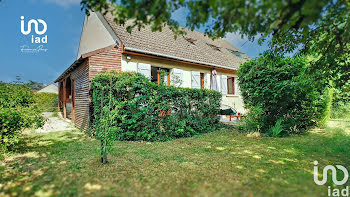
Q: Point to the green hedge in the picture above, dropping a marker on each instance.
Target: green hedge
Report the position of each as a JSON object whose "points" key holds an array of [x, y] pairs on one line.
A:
{"points": [[142, 110], [47, 102], [282, 95], [17, 111]]}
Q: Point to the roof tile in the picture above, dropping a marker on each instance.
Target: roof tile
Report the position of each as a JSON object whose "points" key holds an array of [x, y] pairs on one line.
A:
{"points": [[164, 43]]}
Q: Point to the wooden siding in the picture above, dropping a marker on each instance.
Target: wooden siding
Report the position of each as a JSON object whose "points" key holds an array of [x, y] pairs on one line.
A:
{"points": [[80, 75], [103, 61], [109, 60]]}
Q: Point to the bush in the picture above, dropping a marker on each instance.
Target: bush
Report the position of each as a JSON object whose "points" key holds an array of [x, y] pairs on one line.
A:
{"points": [[277, 129], [47, 102], [341, 102], [142, 110], [279, 88], [17, 111]]}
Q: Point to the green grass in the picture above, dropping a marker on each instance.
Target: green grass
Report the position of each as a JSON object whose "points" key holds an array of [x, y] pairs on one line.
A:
{"points": [[221, 163]]}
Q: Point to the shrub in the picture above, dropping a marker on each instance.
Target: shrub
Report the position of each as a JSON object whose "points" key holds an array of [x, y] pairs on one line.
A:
{"points": [[47, 102], [341, 102], [326, 103], [254, 122], [277, 129], [281, 88], [17, 111], [142, 110], [341, 94]]}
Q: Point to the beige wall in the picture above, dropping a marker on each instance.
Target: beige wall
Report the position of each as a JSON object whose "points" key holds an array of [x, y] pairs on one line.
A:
{"points": [[130, 64], [50, 89], [94, 35]]}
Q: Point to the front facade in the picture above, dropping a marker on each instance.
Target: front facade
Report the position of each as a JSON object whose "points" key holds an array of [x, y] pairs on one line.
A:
{"points": [[190, 61]]}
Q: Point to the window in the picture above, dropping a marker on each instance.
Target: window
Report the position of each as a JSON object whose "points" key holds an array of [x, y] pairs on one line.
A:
{"points": [[156, 78], [216, 48], [202, 80], [236, 53], [230, 85], [190, 40]]}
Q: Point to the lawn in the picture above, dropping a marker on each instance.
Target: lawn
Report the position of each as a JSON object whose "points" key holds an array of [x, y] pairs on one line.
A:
{"points": [[221, 163]]}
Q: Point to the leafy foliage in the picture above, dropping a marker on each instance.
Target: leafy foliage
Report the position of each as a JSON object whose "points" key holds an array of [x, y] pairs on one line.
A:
{"points": [[277, 129], [35, 86], [17, 111], [137, 109], [341, 101], [316, 27], [327, 100], [281, 87], [47, 102], [341, 111], [255, 120]]}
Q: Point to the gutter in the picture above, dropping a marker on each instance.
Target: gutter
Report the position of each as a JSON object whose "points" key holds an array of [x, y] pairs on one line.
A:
{"points": [[177, 58]]}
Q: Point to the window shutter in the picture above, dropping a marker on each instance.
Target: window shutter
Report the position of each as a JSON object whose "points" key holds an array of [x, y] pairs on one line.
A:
{"points": [[144, 69], [132, 67], [223, 84], [186, 79], [237, 89], [196, 79], [176, 77], [207, 81]]}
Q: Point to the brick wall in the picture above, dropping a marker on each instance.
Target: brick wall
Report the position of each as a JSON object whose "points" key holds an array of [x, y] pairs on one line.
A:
{"points": [[105, 61]]}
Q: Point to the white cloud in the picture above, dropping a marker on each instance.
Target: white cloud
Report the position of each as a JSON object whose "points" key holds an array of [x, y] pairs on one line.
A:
{"points": [[64, 3]]}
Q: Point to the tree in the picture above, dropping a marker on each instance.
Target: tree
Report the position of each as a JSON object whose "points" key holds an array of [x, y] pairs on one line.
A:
{"points": [[35, 86], [317, 27], [282, 94]]}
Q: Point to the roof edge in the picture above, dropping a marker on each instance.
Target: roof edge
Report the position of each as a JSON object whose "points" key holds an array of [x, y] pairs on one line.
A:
{"points": [[108, 27], [177, 58], [47, 86], [82, 58], [71, 67]]}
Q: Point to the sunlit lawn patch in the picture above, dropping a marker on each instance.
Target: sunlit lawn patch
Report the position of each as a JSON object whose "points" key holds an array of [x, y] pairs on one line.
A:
{"points": [[224, 162]]}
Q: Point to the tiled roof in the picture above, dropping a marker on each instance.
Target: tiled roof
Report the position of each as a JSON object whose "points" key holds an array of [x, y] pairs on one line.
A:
{"points": [[204, 49]]}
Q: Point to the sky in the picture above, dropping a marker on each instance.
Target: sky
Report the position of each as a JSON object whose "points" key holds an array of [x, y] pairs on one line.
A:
{"points": [[64, 21]]}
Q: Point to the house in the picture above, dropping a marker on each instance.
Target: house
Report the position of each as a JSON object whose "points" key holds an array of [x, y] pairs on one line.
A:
{"points": [[50, 88], [106, 46]]}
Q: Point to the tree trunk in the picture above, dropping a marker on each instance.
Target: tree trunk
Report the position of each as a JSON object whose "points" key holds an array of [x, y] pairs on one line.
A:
{"points": [[102, 129], [103, 153]]}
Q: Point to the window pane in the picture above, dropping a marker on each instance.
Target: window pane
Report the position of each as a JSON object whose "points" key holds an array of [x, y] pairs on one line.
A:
{"points": [[154, 74], [229, 86], [156, 78]]}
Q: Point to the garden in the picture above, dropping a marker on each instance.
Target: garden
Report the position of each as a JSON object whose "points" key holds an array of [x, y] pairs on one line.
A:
{"points": [[175, 145], [225, 162]]}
